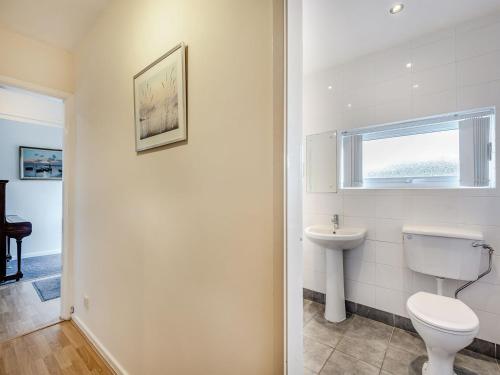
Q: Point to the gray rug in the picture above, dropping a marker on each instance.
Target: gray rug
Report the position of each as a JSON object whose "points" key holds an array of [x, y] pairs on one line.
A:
{"points": [[37, 267], [48, 289]]}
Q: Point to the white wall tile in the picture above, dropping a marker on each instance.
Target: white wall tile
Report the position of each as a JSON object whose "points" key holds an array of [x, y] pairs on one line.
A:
{"points": [[489, 329], [434, 80], [363, 206], [494, 276], [425, 209], [480, 210], [478, 41], [394, 89], [391, 277], [391, 300], [360, 97], [483, 296], [359, 73], [479, 69], [360, 292], [358, 270], [389, 253], [433, 37], [365, 252], [369, 223], [358, 117], [322, 203], [430, 55], [478, 96], [389, 230], [397, 110], [392, 206], [392, 62], [434, 104]]}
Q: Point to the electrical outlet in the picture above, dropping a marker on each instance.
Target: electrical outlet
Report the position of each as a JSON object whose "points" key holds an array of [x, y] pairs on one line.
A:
{"points": [[86, 301]]}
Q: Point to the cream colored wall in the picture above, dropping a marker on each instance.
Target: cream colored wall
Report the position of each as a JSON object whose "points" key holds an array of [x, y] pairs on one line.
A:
{"points": [[179, 248], [36, 65]]}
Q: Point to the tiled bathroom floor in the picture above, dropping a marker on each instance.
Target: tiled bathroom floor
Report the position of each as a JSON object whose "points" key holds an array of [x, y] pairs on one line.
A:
{"points": [[361, 346]]}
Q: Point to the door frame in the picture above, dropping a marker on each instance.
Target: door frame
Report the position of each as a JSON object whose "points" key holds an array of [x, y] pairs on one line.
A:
{"points": [[67, 253], [293, 262]]}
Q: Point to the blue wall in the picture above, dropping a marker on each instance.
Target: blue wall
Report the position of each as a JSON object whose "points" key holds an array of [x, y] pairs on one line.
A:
{"points": [[38, 201]]}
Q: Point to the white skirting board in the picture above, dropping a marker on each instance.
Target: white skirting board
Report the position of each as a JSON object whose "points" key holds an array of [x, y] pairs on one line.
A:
{"points": [[108, 357], [32, 254]]}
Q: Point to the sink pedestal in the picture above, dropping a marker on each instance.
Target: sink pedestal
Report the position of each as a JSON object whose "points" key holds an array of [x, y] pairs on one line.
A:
{"points": [[334, 241], [335, 300]]}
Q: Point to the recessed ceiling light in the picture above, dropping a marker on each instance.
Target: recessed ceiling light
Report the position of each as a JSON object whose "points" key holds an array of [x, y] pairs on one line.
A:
{"points": [[330, 87], [416, 86], [396, 8], [349, 105], [409, 65]]}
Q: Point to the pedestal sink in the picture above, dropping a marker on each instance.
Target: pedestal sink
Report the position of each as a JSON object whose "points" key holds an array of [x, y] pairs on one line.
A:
{"points": [[335, 241]]}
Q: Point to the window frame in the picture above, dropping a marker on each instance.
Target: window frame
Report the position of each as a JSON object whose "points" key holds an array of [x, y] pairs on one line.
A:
{"points": [[413, 127]]}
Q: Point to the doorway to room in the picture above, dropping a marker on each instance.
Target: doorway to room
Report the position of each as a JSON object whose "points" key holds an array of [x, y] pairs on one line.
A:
{"points": [[31, 210]]}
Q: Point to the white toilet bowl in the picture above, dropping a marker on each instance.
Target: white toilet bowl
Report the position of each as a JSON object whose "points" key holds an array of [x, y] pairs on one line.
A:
{"points": [[446, 325]]}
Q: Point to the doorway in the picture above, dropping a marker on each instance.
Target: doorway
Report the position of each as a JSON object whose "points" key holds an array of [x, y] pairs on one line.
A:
{"points": [[32, 132]]}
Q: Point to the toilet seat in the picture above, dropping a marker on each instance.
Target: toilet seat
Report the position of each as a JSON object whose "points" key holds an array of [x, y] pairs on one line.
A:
{"points": [[443, 313]]}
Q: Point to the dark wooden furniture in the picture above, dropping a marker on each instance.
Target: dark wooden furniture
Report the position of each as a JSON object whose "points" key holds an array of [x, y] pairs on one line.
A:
{"points": [[11, 226]]}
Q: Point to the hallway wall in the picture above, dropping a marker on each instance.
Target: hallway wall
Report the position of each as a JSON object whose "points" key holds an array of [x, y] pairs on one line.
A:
{"points": [[175, 246], [36, 63]]}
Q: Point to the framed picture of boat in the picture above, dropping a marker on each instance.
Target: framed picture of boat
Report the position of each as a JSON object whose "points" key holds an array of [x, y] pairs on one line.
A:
{"points": [[40, 163], [160, 101]]}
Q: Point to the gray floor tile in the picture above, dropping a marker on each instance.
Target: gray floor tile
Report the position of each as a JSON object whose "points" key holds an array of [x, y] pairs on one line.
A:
{"points": [[321, 330], [311, 309], [400, 362], [407, 341], [342, 364], [363, 328], [368, 350], [363, 344], [477, 363], [315, 354]]}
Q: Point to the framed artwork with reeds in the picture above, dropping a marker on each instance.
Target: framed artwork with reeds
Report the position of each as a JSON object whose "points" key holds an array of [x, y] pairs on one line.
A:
{"points": [[160, 101]]}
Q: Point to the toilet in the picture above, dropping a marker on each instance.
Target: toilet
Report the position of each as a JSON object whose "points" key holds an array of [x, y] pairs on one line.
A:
{"points": [[447, 325]]}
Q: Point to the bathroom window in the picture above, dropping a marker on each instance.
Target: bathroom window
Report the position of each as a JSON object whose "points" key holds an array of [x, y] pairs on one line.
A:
{"points": [[447, 151]]}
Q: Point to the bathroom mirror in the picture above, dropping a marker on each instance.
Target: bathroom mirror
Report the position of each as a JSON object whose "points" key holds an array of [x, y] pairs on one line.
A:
{"points": [[321, 163]]}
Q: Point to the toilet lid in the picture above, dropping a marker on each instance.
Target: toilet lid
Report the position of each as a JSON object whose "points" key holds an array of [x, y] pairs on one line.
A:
{"points": [[442, 312]]}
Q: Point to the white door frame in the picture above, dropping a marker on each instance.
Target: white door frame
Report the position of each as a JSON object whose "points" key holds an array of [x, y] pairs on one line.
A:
{"points": [[68, 147], [293, 193]]}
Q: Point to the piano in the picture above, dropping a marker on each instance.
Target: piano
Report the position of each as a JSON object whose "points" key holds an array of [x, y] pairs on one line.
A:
{"points": [[11, 227]]}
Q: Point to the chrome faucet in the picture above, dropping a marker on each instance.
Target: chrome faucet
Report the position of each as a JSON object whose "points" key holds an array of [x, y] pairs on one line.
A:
{"points": [[335, 221]]}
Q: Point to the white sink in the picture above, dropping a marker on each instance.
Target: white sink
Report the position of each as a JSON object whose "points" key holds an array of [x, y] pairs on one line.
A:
{"points": [[342, 238], [335, 241]]}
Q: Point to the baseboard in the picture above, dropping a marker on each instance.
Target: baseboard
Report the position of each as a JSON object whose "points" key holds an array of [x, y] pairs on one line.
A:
{"points": [[99, 347], [478, 345], [34, 253]]}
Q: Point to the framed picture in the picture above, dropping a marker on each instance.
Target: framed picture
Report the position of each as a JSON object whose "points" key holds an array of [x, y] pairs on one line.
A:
{"points": [[160, 101], [40, 163]]}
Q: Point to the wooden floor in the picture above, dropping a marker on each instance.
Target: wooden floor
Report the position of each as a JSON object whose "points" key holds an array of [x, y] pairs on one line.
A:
{"points": [[22, 311], [58, 349]]}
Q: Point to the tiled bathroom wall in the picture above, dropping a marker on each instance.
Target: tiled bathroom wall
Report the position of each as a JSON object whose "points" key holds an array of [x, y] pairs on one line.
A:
{"points": [[449, 70]]}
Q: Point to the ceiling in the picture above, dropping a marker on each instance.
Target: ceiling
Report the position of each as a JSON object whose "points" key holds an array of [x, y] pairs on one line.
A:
{"points": [[336, 31], [61, 23]]}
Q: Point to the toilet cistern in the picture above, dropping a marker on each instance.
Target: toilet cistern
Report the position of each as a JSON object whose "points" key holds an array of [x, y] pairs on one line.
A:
{"points": [[447, 325]]}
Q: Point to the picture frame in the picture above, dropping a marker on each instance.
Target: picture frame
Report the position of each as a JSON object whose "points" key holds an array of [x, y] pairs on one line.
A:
{"points": [[36, 163], [160, 101]]}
